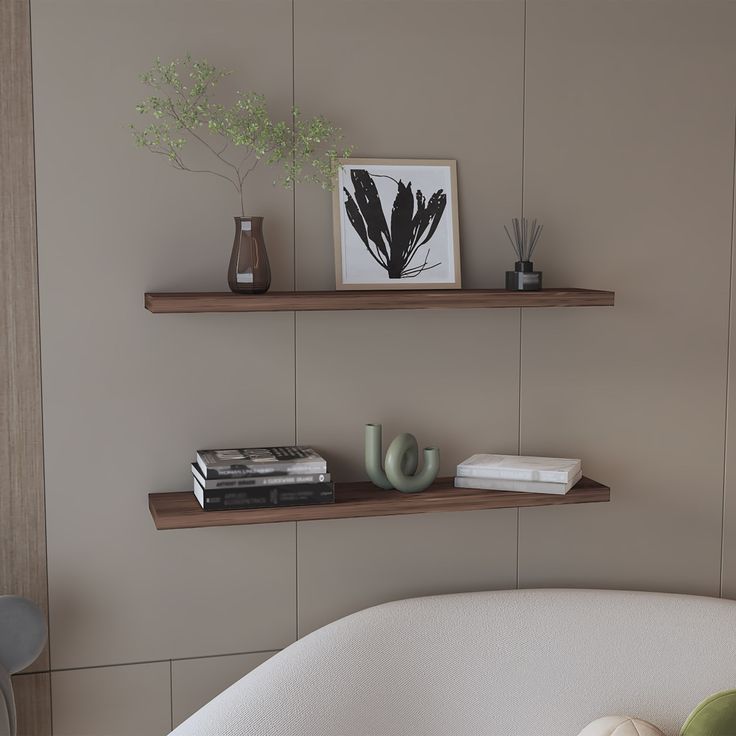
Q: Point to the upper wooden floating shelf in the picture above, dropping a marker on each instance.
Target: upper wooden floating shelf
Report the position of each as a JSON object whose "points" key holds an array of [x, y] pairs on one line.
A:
{"points": [[180, 510], [331, 301]]}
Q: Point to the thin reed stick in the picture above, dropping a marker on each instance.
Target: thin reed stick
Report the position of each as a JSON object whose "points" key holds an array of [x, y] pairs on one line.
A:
{"points": [[525, 237]]}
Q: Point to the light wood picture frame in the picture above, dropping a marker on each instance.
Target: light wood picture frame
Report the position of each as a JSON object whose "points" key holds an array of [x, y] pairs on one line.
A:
{"points": [[396, 224]]}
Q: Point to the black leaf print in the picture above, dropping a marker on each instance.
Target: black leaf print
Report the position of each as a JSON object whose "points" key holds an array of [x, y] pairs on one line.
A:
{"points": [[411, 217]]}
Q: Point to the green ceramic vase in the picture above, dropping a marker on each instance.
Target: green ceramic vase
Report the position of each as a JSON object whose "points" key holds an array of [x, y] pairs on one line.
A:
{"points": [[399, 470]]}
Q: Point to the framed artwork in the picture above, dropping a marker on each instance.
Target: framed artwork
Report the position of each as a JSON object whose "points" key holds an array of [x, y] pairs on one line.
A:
{"points": [[396, 224]]}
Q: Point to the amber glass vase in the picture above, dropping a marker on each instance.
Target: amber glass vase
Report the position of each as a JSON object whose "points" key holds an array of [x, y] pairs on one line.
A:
{"points": [[249, 271]]}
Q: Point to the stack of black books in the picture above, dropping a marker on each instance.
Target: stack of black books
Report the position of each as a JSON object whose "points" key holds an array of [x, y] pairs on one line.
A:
{"points": [[261, 477]]}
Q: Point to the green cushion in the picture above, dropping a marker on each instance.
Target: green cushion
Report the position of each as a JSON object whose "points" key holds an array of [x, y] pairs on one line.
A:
{"points": [[715, 716]]}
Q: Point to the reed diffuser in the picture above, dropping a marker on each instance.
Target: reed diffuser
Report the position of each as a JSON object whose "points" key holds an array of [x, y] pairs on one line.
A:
{"points": [[524, 241]]}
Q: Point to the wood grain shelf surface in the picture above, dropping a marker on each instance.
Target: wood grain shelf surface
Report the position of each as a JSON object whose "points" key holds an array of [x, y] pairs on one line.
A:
{"points": [[180, 510], [330, 301]]}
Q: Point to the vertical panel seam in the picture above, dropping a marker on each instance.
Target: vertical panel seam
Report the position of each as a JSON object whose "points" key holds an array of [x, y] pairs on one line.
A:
{"points": [[293, 123], [296, 403], [171, 693], [42, 449], [518, 446], [523, 110], [293, 217], [728, 367], [40, 347], [521, 311], [296, 580]]}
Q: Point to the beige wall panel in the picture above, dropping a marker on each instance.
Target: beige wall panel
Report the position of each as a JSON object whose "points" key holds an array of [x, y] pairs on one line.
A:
{"points": [[170, 229], [22, 535], [629, 155], [194, 682], [448, 377], [129, 396], [390, 368], [410, 79], [120, 594], [113, 701], [33, 704], [350, 564]]}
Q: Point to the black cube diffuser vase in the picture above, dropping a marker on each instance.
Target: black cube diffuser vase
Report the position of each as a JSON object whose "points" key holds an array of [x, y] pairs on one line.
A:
{"points": [[524, 277]]}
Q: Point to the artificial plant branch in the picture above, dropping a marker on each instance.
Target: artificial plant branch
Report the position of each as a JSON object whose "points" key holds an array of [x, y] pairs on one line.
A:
{"points": [[307, 150], [177, 162]]}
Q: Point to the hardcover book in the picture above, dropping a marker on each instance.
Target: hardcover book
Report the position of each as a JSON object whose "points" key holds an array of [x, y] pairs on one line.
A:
{"points": [[259, 461], [520, 486], [296, 494], [518, 467], [255, 481]]}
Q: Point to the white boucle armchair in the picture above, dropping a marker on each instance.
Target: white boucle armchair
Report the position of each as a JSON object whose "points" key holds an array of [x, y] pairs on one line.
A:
{"points": [[506, 663]]}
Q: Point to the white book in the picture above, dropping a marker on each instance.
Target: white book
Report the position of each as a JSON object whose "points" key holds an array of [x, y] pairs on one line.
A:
{"points": [[518, 467], [520, 486]]}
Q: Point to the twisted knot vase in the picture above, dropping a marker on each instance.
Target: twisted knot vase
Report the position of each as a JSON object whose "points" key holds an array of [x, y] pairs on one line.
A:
{"points": [[399, 470]]}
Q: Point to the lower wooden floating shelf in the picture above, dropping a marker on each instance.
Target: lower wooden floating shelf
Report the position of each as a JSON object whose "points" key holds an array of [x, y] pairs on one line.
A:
{"points": [[180, 510]]}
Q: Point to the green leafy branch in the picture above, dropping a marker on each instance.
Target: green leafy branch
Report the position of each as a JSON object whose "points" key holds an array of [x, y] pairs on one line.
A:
{"points": [[237, 137]]}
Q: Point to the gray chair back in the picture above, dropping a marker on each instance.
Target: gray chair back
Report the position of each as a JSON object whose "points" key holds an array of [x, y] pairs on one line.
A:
{"points": [[22, 639]]}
